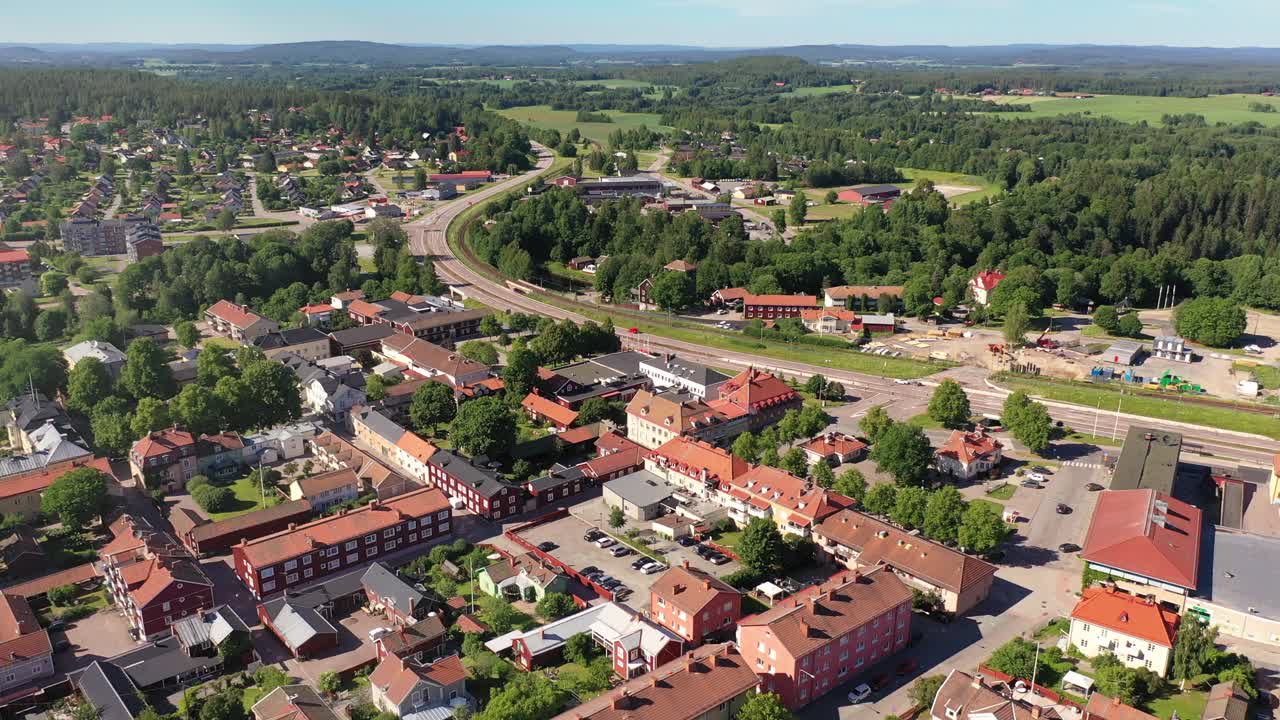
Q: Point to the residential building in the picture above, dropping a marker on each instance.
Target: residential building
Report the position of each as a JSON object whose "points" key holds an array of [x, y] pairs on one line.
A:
{"points": [[669, 371], [641, 495], [413, 642], [21, 493], [478, 489], [615, 376], [323, 547], [392, 597], [975, 697], [834, 448], [307, 343], [864, 297], [144, 241], [394, 444], [776, 307], [831, 321], [26, 654], [693, 466], [427, 360], [1226, 702], [319, 315], [1101, 707], [331, 387], [983, 284], [202, 537], [293, 702], [87, 236], [871, 195], [1147, 542], [967, 455], [417, 317], [1171, 347], [410, 689], [40, 435], [729, 296], [110, 691], [559, 482], [545, 410], [762, 396], [794, 504], [653, 420], [327, 489], [1137, 630], [220, 456], [303, 619], [238, 322], [164, 459], [334, 453], [21, 554], [712, 682], [151, 578], [15, 270], [614, 187], [817, 640], [694, 604], [104, 352], [1148, 460], [635, 645], [860, 542], [525, 573]]}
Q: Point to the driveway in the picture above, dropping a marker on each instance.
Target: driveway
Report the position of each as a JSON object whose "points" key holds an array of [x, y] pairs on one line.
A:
{"points": [[102, 635]]}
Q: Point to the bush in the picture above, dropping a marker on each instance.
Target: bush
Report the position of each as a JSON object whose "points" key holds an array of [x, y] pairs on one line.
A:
{"points": [[64, 594], [744, 579], [214, 499]]}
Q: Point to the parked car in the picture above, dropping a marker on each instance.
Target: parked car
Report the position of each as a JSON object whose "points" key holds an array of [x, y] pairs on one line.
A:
{"points": [[860, 693], [1063, 509], [718, 559], [547, 546], [592, 535], [1038, 477], [653, 568], [1093, 487], [622, 592], [589, 569], [605, 542], [620, 551], [686, 541], [1031, 484], [1068, 548], [633, 330], [56, 625], [640, 562]]}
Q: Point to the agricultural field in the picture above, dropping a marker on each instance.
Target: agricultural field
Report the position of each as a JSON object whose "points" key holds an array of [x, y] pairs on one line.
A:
{"points": [[959, 188], [824, 90], [617, 83], [542, 116], [1131, 108]]}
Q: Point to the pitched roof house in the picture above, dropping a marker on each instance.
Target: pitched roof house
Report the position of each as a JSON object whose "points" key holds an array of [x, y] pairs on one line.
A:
{"points": [[409, 688], [969, 454], [1146, 539], [693, 603]]}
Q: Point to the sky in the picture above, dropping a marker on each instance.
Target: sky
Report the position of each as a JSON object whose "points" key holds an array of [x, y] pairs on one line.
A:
{"points": [[711, 23]]}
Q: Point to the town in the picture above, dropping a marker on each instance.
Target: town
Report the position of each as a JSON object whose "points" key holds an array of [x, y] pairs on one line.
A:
{"points": [[430, 398]]}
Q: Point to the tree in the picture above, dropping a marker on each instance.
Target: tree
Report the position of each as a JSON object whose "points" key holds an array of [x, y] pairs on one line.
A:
{"points": [[375, 388], [490, 326], [225, 220], [274, 389], [213, 498], [329, 683], [1212, 321], [905, 453], [1193, 649], [528, 696], [110, 423], [431, 405], [484, 426], [77, 497], [581, 649], [747, 447], [764, 706], [779, 218], [1129, 326], [198, 409], [923, 690], [761, 548], [950, 405], [1107, 318], [943, 514], [51, 324], [146, 371], [521, 372], [554, 606], [225, 705], [822, 475], [150, 415], [909, 506], [851, 484], [832, 197], [596, 409], [214, 363], [798, 210], [881, 499], [616, 518], [981, 528], [479, 351], [1017, 321], [1016, 658], [874, 423], [1028, 421], [187, 334], [673, 291], [53, 282], [88, 384], [64, 595], [795, 462]]}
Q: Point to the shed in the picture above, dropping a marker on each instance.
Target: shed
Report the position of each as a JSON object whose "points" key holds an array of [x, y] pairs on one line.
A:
{"points": [[1123, 352], [771, 591], [1081, 684]]}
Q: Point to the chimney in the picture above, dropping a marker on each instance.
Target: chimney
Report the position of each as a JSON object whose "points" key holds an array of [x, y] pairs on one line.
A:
{"points": [[688, 662], [1035, 711], [685, 562], [621, 701], [977, 680], [706, 582], [293, 526]]}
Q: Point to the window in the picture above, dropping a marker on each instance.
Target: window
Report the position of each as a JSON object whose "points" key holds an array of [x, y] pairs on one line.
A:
{"points": [[425, 519], [371, 537], [291, 578], [389, 532], [352, 545], [661, 602], [353, 558], [307, 573], [268, 586], [444, 514], [370, 552], [306, 559], [1084, 643], [1148, 664], [444, 527], [267, 572], [331, 552], [413, 524], [413, 537], [289, 565], [165, 607]]}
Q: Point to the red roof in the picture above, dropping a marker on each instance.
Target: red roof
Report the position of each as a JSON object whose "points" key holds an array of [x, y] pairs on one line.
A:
{"points": [[1101, 707], [161, 442], [237, 315], [691, 457], [690, 589], [38, 480], [13, 256], [988, 279], [317, 309], [45, 583], [835, 444], [367, 309], [1127, 614], [1145, 533], [553, 411], [752, 389], [969, 446], [614, 462]]}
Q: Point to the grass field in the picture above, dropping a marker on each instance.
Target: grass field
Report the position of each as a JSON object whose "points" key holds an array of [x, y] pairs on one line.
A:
{"points": [[826, 90], [247, 499], [542, 116], [617, 83], [986, 188], [1132, 108]]}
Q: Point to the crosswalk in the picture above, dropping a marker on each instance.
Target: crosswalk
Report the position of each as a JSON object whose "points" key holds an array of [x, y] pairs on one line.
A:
{"points": [[1077, 463]]}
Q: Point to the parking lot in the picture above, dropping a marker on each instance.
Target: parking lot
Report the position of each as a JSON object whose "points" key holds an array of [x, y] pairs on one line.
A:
{"points": [[102, 635]]}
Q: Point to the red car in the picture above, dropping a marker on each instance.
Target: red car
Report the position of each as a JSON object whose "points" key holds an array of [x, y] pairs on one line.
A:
{"points": [[633, 330]]}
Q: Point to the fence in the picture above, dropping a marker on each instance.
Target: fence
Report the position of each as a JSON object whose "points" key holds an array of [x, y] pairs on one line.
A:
{"points": [[514, 536]]}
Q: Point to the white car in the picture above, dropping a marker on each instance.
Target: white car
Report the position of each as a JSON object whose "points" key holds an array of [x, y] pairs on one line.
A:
{"points": [[376, 633], [1035, 476], [860, 693], [605, 542], [652, 568]]}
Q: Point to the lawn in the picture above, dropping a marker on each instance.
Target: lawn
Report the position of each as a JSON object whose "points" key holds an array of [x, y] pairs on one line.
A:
{"points": [[729, 539], [1268, 376], [574, 277], [1189, 704], [1164, 408], [68, 549], [924, 422], [542, 116], [85, 604], [617, 83], [1004, 492], [1232, 109], [247, 499], [985, 188], [824, 90]]}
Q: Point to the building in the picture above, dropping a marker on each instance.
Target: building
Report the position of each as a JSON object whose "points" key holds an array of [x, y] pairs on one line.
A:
{"points": [[831, 321], [21, 554], [1226, 702], [871, 195], [220, 456], [967, 455], [642, 495], [1123, 352], [615, 376], [544, 410], [214, 538], [151, 578], [859, 541], [762, 396], [526, 573], [729, 296], [975, 697], [1148, 460], [635, 645], [323, 547], [1101, 707], [144, 241], [419, 691], [110, 691], [429, 360], [712, 682], [616, 187], [327, 489], [238, 322], [293, 702], [834, 448], [21, 493], [776, 307], [15, 270], [413, 642], [334, 453], [864, 297], [165, 459], [983, 284], [307, 343], [394, 444], [303, 620], [1170, 347], [817, 640], [478, 489], [669, 371], [104, 352], [653, 420], [332, 387], [26, 654], [418, 317], [1147, 542], [87, 236], [1138, 631], [694, 604], [1230, 592], [394, 598]]}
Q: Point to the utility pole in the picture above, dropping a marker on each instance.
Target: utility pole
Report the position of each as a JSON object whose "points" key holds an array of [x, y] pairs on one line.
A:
{"points": [[1115, 429]]}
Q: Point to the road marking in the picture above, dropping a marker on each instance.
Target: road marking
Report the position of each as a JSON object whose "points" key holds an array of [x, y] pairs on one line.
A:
{"points": [[1075, 463]]}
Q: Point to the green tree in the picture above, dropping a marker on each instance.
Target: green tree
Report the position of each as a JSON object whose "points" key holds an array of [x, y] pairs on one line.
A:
{"points": [[875, 423], [1028, 421], [146, 371], [798, 210], [761, 547], [149, 415], [225, 221], [53, 282], [764, 706], [832, 197], [490, 326], [924, 689], [1017, 321], [528, 696], [483, 427], [50, 324], [196, 408], [795, 462], [822, 475], [329, 683], [554, 606], [909, 507], [1107, 318], [581, 649], [1129, 326], [521, 372], [214, 363], [88, 384], [187, 334], [595, 409], [905, 453], [616, 518], [673, 291], [779, 218], [1016, 658], [881, 499], [747, 447], [851, 484], [981, 528], [1193, 650], [479, 351], [77, 497], [431, 405], [225, 705], [274, 389], [1212, 321], [950, 405], [943, 514], [375, 388]]}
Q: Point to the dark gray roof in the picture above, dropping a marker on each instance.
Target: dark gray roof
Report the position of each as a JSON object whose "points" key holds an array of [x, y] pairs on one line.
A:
{"points": [[641, 488], [626, 362], [320, 594], [209, 626], [688, 370], [484, 482], [361, 335], [1149, 460], [559, 475], [110, 691], [395, 592], [866, 190], [296, 625], [161, 660], [382, 425], [288, 338], [1231, 572]]}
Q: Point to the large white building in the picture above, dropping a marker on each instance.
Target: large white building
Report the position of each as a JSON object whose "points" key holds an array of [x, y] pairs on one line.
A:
{"points": [[1138, 631]]}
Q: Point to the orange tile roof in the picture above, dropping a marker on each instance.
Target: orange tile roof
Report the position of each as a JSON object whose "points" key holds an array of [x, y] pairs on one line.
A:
{"points": [[316, 309], [837, 313], [367, 309], [16, 617], [988, 279], [549, 409], [13, 256], [613, 462], [238, 315], [754, 388], [690, 589], [166, 573], [691, 457], [162, 441], [337, 529], [1130, 532], [1127, 614], [969, 446], [1102, 707], [45, 583], [835, 444], [771, 486], [678, 417], [418, 448], [840, 292], [38, 480]]}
